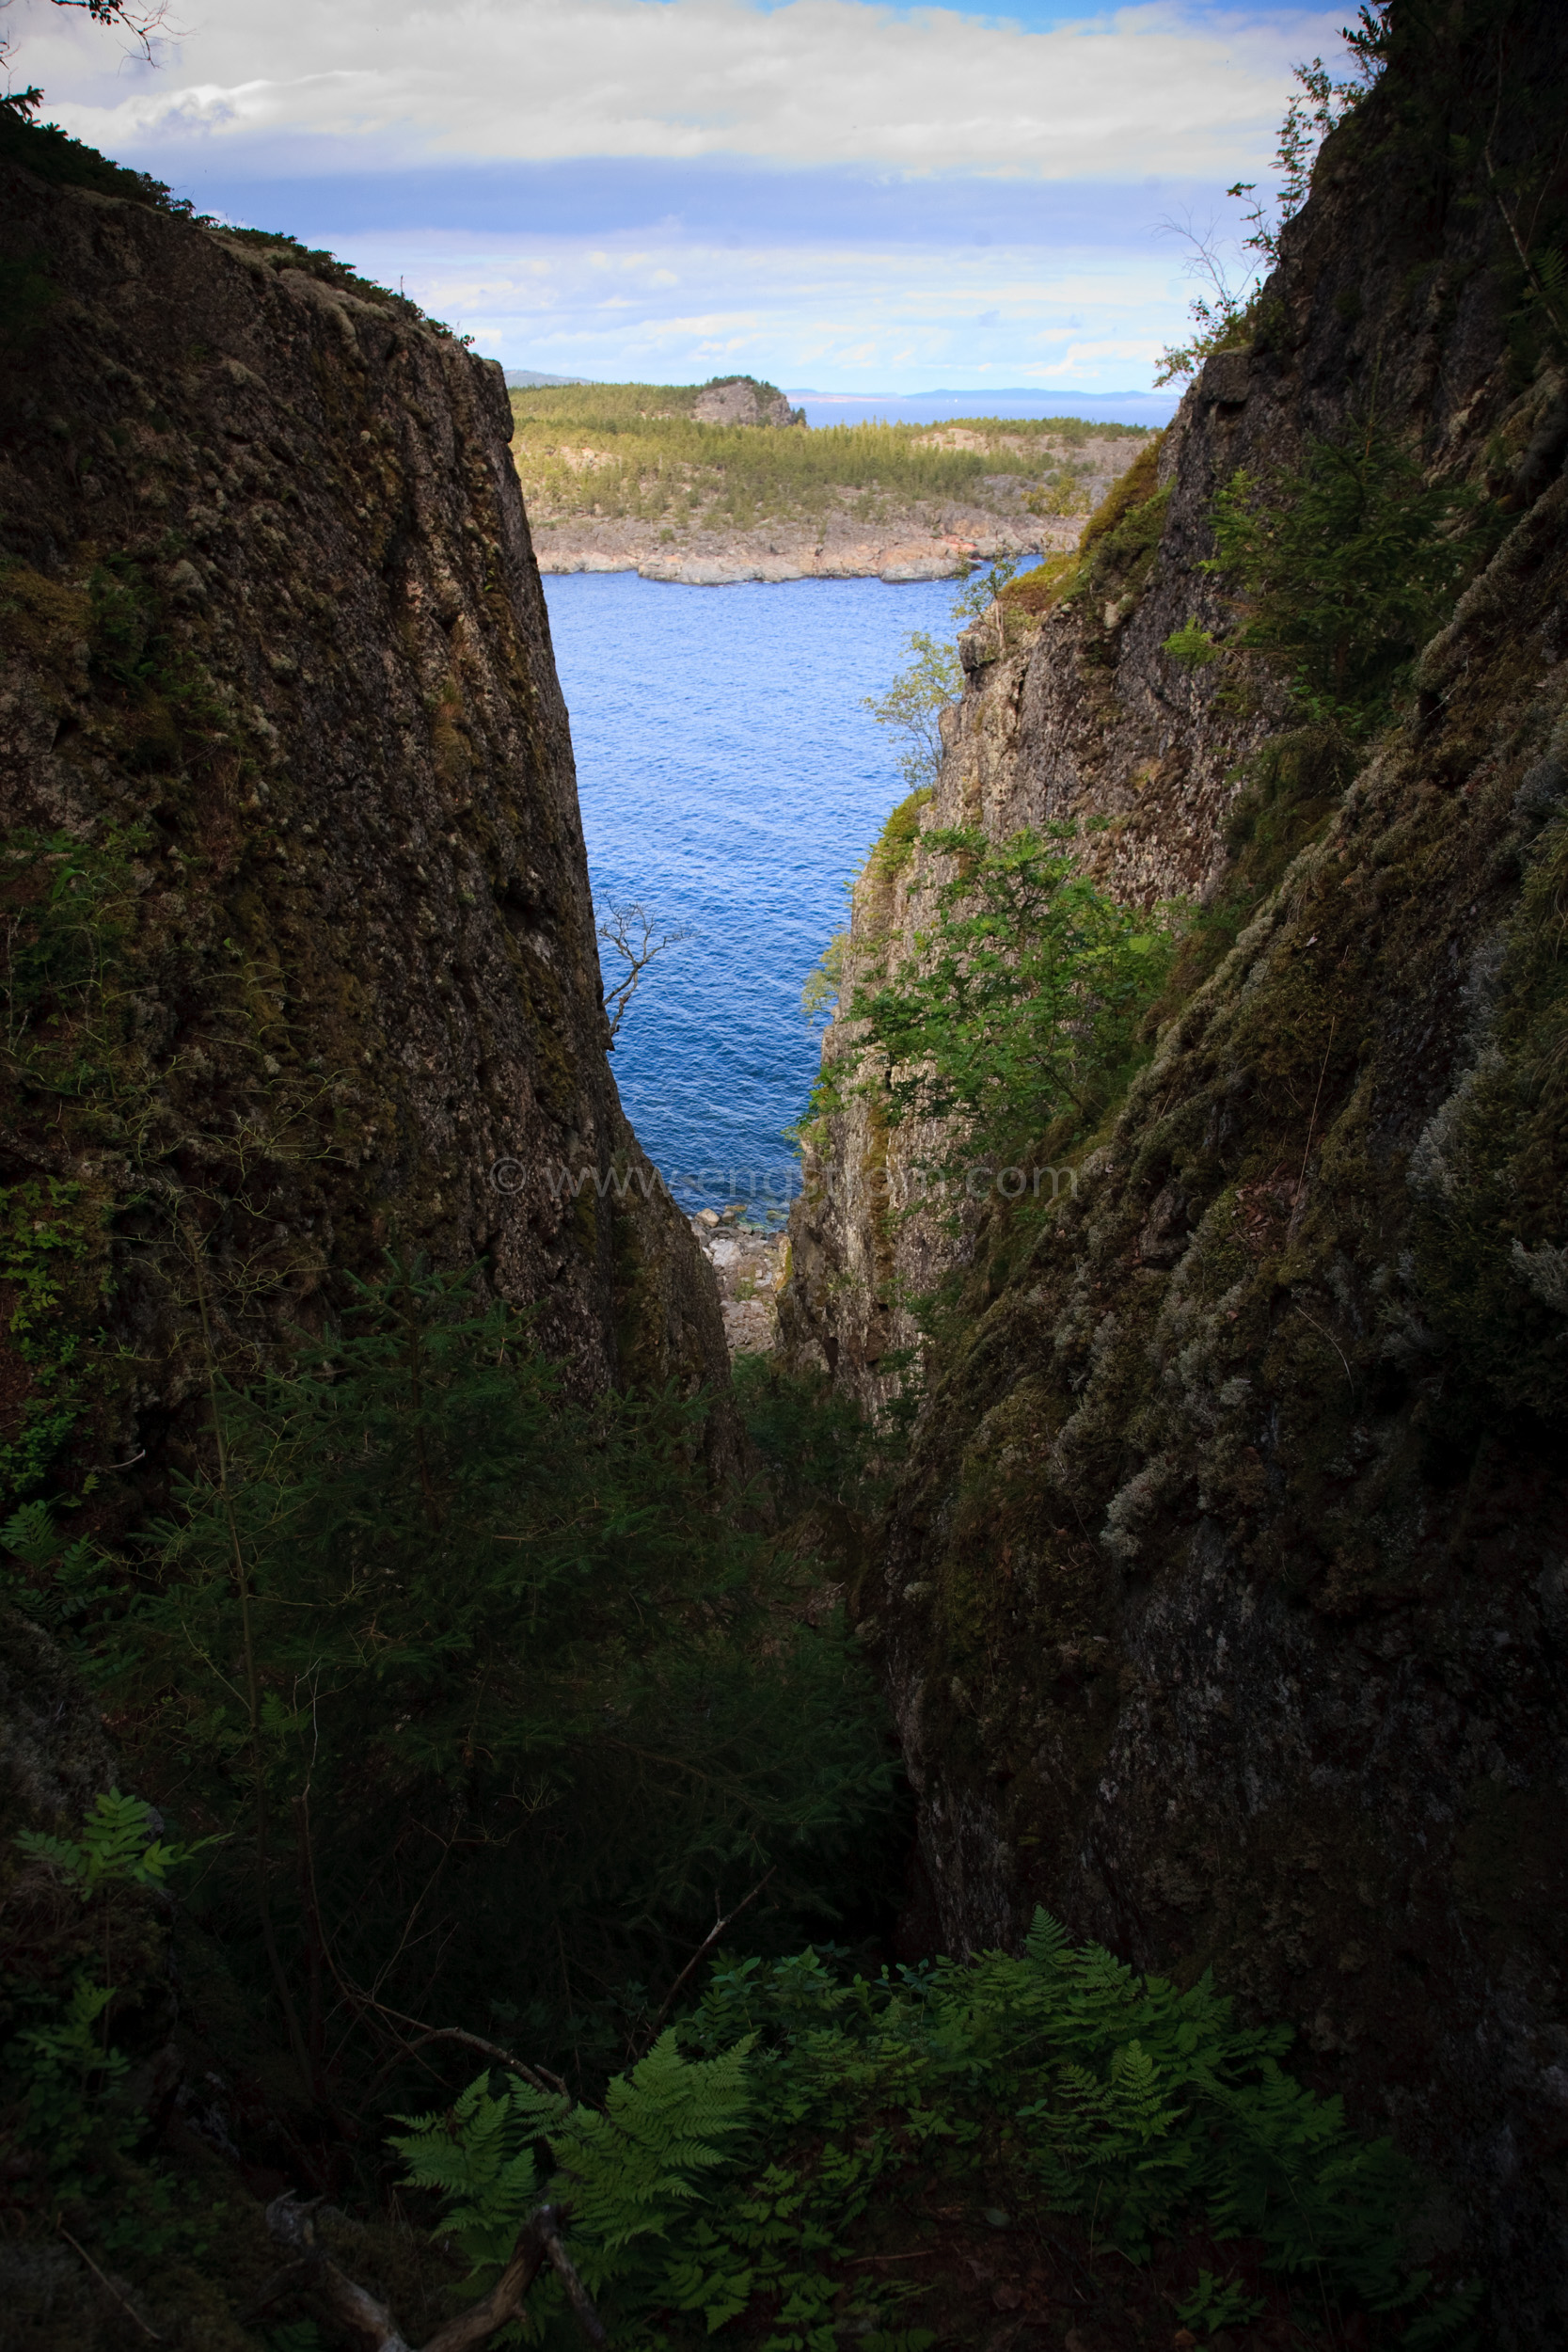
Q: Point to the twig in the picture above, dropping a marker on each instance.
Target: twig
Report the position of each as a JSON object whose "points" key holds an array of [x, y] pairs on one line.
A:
{"points": [[1311, 1125], [1332, 1341], [706, 1946], [107, 2284], [541, 2079], [576, 2294], [920, 2254]]}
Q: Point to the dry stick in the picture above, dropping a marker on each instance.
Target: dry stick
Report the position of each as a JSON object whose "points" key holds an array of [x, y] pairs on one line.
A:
{"points": [[1332, 1341], [107, 2282], [706, 1946], [292, 2226], [1312, 1122], [253, 1687], [539, 2079]]}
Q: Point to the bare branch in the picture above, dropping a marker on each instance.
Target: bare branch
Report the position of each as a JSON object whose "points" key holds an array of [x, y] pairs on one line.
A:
{"points": [[706, 1946], [293, 2227], [636, 938], [538, 2079]]}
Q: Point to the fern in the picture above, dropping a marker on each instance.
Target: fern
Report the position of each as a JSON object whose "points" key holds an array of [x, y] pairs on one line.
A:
{"points": [[628, 2171], [721, 2177], [117, 1843], [63, 1580], [480, 2156]]}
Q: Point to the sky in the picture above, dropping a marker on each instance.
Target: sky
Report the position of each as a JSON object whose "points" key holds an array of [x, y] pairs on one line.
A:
{"points": [[835, 194]]}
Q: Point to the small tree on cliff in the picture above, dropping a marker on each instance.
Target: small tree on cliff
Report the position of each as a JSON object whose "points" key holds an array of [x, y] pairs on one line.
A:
{"points": [[914, 705]]}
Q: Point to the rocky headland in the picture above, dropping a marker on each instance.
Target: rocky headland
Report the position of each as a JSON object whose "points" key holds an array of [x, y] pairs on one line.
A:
{"points": [[634, 478]]}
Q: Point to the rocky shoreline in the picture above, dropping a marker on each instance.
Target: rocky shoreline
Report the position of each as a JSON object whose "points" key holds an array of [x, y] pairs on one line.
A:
{"points": [[713, 559], [858, 533], [750, 1263]]}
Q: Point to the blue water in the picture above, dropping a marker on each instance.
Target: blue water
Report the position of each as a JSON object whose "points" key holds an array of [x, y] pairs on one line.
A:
{"points": [[730, 780]]}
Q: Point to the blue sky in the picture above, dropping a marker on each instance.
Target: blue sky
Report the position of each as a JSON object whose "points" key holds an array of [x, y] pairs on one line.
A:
{"points": [[854, 195]]}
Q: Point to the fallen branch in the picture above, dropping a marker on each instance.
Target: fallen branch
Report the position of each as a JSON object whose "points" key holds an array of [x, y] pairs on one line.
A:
{"points": [[293, 2227]]}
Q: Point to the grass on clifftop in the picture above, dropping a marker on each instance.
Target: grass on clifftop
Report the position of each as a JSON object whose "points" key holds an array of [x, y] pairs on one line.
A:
{"points": [[635, 451]]}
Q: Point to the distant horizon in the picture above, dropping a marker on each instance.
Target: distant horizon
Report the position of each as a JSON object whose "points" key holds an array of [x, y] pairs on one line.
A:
{"points": [[1119, 408], [825, 192]]}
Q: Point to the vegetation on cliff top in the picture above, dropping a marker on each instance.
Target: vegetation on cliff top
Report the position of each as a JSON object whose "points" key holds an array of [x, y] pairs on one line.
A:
{"points": [[635, 451]]}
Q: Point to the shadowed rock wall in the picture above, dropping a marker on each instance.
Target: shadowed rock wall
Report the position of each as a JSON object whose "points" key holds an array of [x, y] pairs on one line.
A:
{"points": [[278, 706], [1221, 1598]]}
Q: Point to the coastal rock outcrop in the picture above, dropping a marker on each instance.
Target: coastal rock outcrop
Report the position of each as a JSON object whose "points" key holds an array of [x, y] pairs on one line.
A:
{"points": [[303, 962], [1220, 1597], [741, 400]]}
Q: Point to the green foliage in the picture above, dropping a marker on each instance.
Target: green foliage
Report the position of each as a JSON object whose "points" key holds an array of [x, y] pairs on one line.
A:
{"points": [[819, 992], [895, 845], [1228, 315], [1192, 647], [42, 1247], [913, 707], [1217, 2303], [118, 1841], [1116, 548], [1345, 567], [50, 154], [1019, 997], [812, 1439], [523, 1705], [64, 2081], [985, 583], [67, 908], [66, 2085], [1037, 590], [635, 450], [725, 2184]]}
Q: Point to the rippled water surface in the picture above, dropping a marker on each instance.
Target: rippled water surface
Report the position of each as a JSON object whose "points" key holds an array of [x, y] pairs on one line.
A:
{"points": [[730, 780]]}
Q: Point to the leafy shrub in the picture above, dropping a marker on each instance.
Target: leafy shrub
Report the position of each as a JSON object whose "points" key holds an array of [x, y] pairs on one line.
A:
{"points": [[914, 705], [725, 2175], [1345, 567], [895, 845], [1192, 647], [65, 2102], [1116, 548], [494, 1705], [1019, 998]]}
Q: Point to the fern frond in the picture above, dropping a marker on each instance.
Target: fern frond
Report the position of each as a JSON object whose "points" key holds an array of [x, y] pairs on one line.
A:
{"points": [[626, 2171]]}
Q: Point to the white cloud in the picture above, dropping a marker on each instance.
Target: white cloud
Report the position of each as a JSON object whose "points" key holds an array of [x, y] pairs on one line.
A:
{"points": [[1180, 91], [877, 317]]}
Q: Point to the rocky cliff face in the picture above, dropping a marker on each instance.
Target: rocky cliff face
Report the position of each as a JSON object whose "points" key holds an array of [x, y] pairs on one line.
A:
{"points": [[1222, 1594], [741, 400], [301, 954]]}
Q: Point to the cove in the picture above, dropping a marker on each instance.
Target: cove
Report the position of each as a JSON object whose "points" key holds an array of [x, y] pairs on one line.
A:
{"points": [[730, 779]]}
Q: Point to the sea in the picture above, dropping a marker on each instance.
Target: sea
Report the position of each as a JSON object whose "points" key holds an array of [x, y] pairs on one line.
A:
{"points": [[732, 782]]}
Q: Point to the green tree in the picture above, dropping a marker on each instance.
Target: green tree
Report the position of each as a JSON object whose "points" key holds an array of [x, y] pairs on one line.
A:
{"points": [[914, 705], [498, 1708], [1345, 567], [1019, 996], [1225, 316]]}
